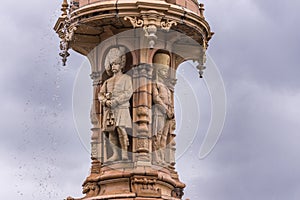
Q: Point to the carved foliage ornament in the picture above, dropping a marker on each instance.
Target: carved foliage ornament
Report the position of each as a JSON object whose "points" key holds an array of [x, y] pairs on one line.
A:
{"points": [[167, 24], [145, 186], [136, 22], [66, 33], [91, 189], [202, 59], [150, 26], [67, 36], [142, 143]]}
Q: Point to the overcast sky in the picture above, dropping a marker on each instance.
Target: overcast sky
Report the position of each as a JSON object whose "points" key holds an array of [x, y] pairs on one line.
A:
{"points": [[256, 48]]}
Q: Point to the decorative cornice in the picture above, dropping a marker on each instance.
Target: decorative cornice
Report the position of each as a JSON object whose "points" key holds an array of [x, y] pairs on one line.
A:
{"points": [[167, 24], [67, 35], [65, 31], [136, 22], [202, 59], [151, 21]]}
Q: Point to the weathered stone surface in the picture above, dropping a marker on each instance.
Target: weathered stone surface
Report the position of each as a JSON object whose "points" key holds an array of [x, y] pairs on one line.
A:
{"points": [[132, 115]]}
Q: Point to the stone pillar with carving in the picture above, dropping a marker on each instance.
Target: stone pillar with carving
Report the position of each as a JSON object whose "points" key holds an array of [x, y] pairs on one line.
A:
{"points": [[164, 121], [128, 119], [90, 186], [96, 139], [142, 75]]}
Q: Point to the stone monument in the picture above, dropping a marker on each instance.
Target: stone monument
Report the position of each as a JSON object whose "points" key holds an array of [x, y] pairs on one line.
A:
{"points": [[134, 49]]}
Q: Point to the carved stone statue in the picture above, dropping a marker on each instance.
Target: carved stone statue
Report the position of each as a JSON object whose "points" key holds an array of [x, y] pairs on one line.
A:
{"points": [[163, 109], [114, 96]]}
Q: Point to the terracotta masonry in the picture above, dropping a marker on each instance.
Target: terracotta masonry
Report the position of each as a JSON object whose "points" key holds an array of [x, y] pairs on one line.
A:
{"points": [[134, 49]]}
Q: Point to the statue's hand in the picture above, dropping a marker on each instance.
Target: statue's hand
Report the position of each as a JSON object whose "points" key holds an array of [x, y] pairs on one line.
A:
{"points": [[162, 108], [108, 103], [107, 95], [114, 103], [170, 114]]}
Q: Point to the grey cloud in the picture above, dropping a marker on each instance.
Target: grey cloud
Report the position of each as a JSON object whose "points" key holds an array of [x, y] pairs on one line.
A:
{"points": [[256, 157], [253, 43], [256, 48], [37, 150], [38, 139]]}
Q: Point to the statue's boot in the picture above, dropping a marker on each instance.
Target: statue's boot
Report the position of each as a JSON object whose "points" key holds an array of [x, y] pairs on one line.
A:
{"points": [[163, 144], [124, 142], [161, 156], [156, 155], [124, 155], [124, 146], [113, 143], [115, 155]]}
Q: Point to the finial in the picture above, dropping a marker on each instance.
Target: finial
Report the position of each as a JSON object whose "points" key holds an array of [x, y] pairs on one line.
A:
{"points": [[201, 8], [64, 8]]}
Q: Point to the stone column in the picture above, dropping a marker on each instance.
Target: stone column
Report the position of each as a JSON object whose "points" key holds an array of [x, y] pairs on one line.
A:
{"points": [[96, 138], [142, 75]]}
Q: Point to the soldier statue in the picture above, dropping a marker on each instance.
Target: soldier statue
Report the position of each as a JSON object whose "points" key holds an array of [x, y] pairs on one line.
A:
{"points": [[114, 96]]}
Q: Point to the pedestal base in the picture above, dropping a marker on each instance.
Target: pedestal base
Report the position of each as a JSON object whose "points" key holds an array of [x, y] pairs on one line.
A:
{"points": [[120, 181]]}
